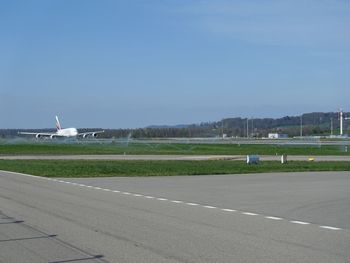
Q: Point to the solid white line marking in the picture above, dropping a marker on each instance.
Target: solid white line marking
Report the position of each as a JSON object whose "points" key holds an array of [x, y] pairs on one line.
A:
{"points": [[176, 202], [193, 204], [228, 210], [137, 195], [209, 206], [273, 217], [107, 190], [126, 193], [97, 188], [116, 191], [249, 214], [330, 227], [300, 222], [149, 197], [162, 199]]}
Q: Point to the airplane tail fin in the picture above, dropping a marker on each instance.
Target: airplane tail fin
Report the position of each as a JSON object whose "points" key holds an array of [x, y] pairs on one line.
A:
{"points": [[58, 125]]}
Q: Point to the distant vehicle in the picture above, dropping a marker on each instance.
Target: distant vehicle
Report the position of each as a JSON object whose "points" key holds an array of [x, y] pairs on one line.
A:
{"points": [[62, 133], [277, 136]]}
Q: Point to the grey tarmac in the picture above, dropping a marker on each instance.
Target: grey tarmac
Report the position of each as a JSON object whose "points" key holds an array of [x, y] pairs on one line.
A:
{"points": [[172, 157], [228, 218]]}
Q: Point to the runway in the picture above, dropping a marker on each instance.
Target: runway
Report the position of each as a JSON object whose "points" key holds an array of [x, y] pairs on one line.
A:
{"points": [[293, 217], [172, 157]]}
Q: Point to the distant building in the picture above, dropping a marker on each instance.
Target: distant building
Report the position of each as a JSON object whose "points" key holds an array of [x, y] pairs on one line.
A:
{"points": [[278, 136]]}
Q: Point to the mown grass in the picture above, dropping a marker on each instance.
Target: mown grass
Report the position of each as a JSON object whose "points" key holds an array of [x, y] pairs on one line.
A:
{"points": [[50, 168], [172, 148]]}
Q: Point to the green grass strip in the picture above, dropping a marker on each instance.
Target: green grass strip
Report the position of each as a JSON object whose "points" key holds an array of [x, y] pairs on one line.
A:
{"points": [[63, 168], [169, 148]]}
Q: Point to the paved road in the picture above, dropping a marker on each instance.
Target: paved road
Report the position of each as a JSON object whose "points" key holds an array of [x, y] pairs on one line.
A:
{"points": [[233, 218], [171, 157]]}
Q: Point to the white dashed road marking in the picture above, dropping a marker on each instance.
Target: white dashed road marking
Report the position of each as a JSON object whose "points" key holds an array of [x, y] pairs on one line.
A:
{"points": [[208, 206], [273, 217], [330, 227], [192, 204], [300, 222], [249, 214], [173, 201], [228, 210]]}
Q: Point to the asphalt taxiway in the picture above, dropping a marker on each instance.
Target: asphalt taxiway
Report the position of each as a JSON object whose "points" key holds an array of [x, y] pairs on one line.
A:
{"points": [[172, 157], [289, 217]]}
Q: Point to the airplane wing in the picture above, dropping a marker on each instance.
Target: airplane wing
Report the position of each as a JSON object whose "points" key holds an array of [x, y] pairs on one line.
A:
{"points": [[89, 134], [40, 134]]}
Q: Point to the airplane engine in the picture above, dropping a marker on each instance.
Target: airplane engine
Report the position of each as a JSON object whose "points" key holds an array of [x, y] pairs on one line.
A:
{"points": [[92, 135], [38, 136]]}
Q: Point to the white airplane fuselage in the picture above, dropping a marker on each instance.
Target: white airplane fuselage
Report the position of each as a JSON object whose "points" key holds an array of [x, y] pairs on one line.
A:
{"points": [[67, 132]]}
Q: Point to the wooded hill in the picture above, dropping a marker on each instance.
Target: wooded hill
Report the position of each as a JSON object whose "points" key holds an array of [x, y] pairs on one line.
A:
{"points": [[316, 123]]}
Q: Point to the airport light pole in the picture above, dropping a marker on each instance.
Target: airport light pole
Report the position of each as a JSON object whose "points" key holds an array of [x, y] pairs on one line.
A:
{"points": [[222, 128], [341, 121], [331, 126], [301, 125], [247, 127]]}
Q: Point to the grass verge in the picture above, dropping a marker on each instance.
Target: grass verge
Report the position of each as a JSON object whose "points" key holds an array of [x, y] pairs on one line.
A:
{"points": [[171, 148], [62, 168]]}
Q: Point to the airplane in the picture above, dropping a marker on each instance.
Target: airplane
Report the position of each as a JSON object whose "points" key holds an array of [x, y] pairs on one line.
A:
{"points": [[62, 133]]}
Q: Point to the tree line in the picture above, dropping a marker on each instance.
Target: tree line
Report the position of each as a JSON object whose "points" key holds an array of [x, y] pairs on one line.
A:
{"points": [[316, 123]]}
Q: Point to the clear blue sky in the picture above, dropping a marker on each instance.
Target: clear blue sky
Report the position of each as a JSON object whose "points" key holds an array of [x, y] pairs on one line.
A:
{"points": [[133, 63]]}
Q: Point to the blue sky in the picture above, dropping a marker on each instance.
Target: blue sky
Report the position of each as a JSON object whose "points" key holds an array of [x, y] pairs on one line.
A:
{"points": [[133, 63]]}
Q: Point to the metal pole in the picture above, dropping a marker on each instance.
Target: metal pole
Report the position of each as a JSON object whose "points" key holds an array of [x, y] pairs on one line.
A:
{"points": [[331, 126], [247, 127], [341, 122], [301, 125], [222, 129]]}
